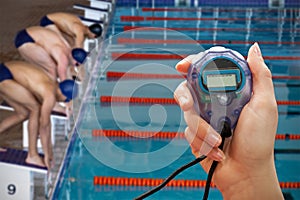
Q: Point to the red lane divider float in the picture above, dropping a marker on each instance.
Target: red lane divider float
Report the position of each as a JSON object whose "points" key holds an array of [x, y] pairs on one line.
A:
{"points": [[165, 134], [214, 19], [207, 9], [137, 100], [132, 18], [130, 75], [286, 77], [152, 182], [294, 103], [170, 101], [219, 42], [141, 18], [156, 56], [124, 181], [145, 28], [146, 56], [138, 134]]}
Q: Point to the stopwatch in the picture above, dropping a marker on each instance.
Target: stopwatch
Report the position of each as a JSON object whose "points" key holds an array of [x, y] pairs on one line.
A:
{"points": [[221, 84]]}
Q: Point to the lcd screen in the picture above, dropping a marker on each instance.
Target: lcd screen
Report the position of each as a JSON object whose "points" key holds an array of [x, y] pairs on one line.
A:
{"points": [[221, 80]]}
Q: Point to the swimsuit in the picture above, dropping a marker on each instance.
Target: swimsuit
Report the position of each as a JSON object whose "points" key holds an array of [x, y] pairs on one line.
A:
{"points": [[22, 37], [5, 74], [45, 21]]}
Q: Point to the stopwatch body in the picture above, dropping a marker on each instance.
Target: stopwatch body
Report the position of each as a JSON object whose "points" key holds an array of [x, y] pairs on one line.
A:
{"points": [[221, 84]]}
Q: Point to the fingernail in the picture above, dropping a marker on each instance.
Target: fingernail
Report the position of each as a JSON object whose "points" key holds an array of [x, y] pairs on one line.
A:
{"points": [[257, 49], [218, 155], [182, 100], [213, 138]]}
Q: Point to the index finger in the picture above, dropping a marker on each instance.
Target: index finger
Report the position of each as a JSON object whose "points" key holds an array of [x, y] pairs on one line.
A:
{"points": [[183, 96], [183, 65]]}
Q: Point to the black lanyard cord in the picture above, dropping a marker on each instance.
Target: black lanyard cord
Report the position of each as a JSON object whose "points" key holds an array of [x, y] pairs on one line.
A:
{"points": [[167, 180], [226, 132]]}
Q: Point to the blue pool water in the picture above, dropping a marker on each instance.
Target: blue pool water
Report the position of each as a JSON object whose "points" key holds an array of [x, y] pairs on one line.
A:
{"points": [[90, 156]]}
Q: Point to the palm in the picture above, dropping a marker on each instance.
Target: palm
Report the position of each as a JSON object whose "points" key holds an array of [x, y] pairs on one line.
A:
{"points": [[243, 149]]}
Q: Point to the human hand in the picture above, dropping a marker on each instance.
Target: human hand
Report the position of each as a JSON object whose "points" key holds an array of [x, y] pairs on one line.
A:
{"points": [[76, 73], [247, 159], [69, 108]]}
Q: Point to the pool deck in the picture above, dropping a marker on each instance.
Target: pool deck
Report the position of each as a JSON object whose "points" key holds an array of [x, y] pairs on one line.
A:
{"points": [[17, 15]]}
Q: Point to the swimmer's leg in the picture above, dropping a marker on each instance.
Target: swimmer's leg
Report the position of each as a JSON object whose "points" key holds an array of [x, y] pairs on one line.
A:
{"points": [[26, 107], [20, 114], [37, 55]]}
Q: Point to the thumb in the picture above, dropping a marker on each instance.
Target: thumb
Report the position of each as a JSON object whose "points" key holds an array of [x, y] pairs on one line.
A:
{"points": [[261, 75]]}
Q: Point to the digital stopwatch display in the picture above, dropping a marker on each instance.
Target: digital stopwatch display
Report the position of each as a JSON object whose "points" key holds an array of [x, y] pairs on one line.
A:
{"points": [[221, 75], [221, 80]]}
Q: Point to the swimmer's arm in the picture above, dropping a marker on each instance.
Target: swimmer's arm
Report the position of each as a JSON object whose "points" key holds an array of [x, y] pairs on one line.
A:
{"points": [[62, 62], [88, 33], [261, 184], [79, 31], [45, 126]]}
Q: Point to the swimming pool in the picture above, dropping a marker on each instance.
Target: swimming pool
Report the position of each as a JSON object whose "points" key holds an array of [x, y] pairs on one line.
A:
{"points": [[101, 156]]}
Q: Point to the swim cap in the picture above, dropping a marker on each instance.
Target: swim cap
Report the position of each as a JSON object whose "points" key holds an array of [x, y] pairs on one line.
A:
{"points": [[96, 29], [69, 88], [79, 55]]}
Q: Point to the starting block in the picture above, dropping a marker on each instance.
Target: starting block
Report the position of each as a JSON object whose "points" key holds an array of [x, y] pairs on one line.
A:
{"points": [[17, 180], [93, 13], [101, 4], [56, 119]]}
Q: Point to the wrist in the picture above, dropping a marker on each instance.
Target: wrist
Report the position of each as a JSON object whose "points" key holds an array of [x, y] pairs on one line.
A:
{"points": [[256, 188], [258, 184]]}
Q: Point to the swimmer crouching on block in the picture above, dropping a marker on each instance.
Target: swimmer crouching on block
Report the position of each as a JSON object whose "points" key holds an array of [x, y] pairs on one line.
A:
{"points": [[33, 94]]}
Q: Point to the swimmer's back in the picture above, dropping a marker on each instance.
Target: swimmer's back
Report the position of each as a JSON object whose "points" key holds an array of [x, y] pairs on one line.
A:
{"points": [[45, 37], [66, 22], [31, 77]]}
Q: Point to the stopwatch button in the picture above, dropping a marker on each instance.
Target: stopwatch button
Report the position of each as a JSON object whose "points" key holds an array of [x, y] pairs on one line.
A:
{"points": [[209, 113], [236, 112], [224, 99], [194, 75]]}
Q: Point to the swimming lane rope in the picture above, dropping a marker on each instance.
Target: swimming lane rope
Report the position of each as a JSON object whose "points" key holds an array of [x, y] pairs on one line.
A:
{"points": [[152, 182], [167, 101]]}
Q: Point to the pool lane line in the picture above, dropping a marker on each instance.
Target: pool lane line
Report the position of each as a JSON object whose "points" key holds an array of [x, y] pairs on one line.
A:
{"points": [[114, 75], [128, 75], [137, 134], [156, 56], [146, 56], [207, 9], [126, 181], [166, 101], [286, 77], [128, 18], [165, 134], [142, 182], [132, 18], [145, 28], [215, 42], [286, 151]]}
